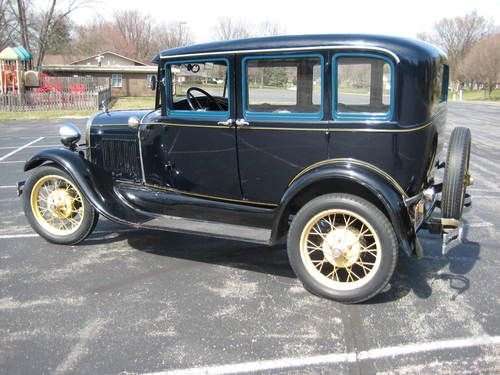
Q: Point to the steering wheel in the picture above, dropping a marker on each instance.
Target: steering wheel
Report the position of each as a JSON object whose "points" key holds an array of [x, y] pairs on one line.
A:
{"points": [[194, 103]]}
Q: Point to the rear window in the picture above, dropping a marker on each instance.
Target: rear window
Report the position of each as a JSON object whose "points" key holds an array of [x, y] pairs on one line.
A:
{"points": [[363, 87]]}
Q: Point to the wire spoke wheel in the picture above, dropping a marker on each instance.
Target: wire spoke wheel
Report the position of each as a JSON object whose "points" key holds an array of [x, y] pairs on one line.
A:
{"points": [[340, 249], [57, 205]]}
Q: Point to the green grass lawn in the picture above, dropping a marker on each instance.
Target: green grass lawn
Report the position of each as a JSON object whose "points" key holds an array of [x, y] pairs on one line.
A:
{"points": [[481, 95], [45, 115], [130, 102]]}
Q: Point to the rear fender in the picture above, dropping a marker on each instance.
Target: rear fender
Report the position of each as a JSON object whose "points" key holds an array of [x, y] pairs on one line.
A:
{"points": [[93, 183], [347, 176]]}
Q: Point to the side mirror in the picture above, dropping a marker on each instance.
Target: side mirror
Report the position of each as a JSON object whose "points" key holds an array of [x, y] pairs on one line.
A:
{"points": [[153, 83], [70, 135], [133, 122]]}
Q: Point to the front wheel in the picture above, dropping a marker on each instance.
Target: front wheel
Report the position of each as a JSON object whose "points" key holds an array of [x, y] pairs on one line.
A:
{"points": [[342, 247], [55, 208]]}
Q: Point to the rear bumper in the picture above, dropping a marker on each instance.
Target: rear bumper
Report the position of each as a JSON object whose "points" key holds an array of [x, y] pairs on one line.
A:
{"points": [[423, 206]]}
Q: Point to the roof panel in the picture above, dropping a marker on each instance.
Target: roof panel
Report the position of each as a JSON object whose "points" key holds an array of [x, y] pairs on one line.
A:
{"points": [[397, 45]]}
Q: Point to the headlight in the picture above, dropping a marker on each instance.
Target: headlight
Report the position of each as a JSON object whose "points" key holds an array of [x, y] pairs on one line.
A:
{"points": [[70, 135]]}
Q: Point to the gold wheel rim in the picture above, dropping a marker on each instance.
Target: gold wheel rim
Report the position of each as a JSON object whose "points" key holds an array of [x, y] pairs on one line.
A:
{"points": [[57, 205], [340, 249]]}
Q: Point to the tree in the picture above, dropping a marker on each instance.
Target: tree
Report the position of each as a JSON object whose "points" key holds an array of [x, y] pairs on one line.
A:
{"points": [[482, 63], [457, 35], [53, 15], [135, 29], [228, 29], [7, 27], [131, 34], [60, 39], [171, 35], [35, 27]]}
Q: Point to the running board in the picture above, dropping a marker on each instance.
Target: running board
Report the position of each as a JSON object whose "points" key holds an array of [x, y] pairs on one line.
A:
{"points": [[209, 228]]}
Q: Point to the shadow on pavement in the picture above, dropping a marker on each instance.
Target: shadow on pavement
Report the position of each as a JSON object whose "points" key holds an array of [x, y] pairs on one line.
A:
{"points": [[410, 274], [418, 275]]}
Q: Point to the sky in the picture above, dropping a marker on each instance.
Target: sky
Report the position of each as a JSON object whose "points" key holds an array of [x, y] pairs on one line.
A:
{"points": [[391, 17]]}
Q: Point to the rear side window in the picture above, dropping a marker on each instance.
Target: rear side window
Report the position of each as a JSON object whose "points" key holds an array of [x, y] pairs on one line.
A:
{"points": [[444, 84], [283, 87], [363, 86]]}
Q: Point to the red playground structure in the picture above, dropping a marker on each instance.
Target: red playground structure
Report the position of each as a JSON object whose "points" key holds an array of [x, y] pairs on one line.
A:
{"points": [[14, 62]]}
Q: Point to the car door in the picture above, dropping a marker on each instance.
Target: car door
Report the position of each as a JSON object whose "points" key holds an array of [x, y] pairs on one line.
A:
{"points": [[192, 148], [281, 125]]}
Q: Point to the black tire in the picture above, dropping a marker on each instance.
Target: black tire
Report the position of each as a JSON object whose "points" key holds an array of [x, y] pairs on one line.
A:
{"points": [[457, 165], [315, 282], [81, 231]]}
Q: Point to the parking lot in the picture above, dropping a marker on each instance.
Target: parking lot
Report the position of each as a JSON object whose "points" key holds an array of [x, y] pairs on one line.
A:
{"points": [[128, 301]]}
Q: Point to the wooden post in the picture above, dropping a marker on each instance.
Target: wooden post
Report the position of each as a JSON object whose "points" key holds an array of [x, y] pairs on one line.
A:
{"points": [[1, 77], [18, 81]]}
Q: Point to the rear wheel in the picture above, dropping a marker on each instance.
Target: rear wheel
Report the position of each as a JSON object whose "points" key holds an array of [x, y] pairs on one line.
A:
{"points": [[342, 247], [55, 207], [456, 174]]}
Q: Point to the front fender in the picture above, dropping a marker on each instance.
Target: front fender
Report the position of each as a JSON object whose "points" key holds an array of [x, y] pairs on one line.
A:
{"points": [[350, 177], [93, 183]]}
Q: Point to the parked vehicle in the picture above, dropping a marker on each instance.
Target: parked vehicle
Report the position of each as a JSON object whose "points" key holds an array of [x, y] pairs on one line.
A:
{"points": [[329, 141]]}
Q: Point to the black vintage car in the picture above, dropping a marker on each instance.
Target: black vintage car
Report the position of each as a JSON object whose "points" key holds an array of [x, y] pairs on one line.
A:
{"points": [[329, 141]]}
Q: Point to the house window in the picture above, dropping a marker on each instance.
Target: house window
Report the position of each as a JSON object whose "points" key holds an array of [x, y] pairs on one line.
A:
{"points": [[117, 80], [364, 85], [279, 87]]}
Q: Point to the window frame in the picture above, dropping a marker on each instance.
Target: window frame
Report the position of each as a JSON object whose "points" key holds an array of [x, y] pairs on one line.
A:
{"points": [[121, 80], [270, 116], [182, 113], [362, 116]]}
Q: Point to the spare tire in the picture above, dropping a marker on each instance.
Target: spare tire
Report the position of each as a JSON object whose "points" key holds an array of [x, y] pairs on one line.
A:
{"points": [[456, 173]]}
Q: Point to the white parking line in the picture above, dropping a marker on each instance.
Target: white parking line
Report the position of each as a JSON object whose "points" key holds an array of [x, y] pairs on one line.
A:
{"points": [[12, 161], [8, 187], [20, 148], [36, 146], [303, 362]]}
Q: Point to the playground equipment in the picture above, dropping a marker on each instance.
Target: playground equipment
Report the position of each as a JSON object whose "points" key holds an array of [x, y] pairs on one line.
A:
{"points": [[15, 70]]}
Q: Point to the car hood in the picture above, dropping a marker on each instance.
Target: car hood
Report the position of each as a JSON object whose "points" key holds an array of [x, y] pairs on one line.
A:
{"points": [[118, 117]]}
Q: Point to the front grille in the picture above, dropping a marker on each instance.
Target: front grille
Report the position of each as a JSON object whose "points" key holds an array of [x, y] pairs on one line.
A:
{"points": [[120, 157]]}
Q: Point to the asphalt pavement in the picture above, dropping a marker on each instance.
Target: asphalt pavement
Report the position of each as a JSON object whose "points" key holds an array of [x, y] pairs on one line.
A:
{"points": [[127, 301]]}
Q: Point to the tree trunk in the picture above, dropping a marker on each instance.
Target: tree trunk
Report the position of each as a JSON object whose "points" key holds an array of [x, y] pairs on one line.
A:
{"points": [[21, 8], [44, 34]]}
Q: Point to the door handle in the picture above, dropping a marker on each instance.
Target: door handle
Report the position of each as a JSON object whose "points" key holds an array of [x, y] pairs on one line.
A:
{"points": [[229, 123], [241, 123]]}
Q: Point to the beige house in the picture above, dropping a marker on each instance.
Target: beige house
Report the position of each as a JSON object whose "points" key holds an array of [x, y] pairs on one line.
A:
{"points": [[128, 77]]}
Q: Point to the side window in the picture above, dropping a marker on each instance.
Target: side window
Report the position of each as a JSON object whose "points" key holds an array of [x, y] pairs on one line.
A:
{"points": [[283, 87], [363, 87], [445, 81], [198, 88]]}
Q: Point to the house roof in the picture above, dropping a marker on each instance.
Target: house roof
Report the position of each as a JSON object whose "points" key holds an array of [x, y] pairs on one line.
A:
{"points": [[75, 62], [60, 59], [150, 69], [388, 44]]}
